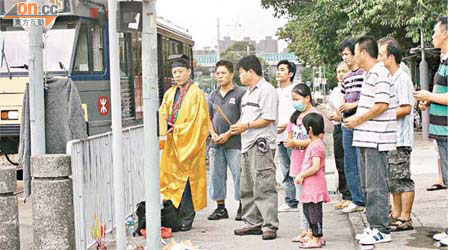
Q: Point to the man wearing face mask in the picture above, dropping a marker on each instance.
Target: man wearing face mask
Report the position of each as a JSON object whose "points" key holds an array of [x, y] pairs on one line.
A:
{"points": [[183, 164]]}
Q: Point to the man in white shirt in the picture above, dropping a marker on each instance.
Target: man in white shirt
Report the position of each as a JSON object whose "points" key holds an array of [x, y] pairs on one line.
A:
{"points": [[285, 75]]}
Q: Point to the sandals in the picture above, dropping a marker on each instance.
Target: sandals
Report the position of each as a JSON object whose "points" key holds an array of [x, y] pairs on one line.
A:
{"points": [[309, 244], [303, 237], [436, 186], [401, 225]]}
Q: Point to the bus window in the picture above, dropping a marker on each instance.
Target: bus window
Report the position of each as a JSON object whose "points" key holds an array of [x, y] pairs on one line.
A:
{"points": [[57, 57], [97, 47], [82, 56]]}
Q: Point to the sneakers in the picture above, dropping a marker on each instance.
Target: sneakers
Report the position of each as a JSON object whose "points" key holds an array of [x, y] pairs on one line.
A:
{"points": [[365, 232], [352, 208], [375, 237], [219, 213], [440, 236], [444, 242], [286, 208]]}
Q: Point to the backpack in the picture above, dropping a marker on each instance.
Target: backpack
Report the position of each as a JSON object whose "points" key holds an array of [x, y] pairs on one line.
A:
{"points": [[169, 217]]}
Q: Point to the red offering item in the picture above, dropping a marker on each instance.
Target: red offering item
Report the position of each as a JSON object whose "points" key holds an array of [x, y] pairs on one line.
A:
{"points": [[166, 232], [144, 233]]}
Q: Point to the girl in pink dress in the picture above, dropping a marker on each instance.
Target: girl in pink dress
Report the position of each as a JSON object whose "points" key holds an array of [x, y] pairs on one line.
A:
{"points": [[312, 179], [298, 141]]}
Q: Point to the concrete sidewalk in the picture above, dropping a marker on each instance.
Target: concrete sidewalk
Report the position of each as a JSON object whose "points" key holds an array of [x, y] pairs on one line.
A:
{"points": [[429, 216], [430, 209]]}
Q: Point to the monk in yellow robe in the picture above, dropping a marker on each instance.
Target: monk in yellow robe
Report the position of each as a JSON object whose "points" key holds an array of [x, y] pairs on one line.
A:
{"points": [[183, 162]]}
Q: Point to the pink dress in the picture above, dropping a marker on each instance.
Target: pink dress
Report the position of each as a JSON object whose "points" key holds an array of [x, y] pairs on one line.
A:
{"points": [[297, 155], [314, 188]]}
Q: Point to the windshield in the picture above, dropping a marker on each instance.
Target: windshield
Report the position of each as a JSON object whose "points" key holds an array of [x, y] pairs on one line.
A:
{"points": [[58, 45]]}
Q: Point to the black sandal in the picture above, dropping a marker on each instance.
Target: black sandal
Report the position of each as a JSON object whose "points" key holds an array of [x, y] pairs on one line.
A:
{"points": [[402, 225]]}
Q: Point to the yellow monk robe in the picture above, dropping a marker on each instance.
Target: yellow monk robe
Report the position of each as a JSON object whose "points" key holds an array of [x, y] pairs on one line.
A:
{"points": [[184, 153]]}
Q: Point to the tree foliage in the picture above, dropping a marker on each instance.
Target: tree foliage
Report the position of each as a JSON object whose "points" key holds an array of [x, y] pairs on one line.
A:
{"points": [[316, 27]]}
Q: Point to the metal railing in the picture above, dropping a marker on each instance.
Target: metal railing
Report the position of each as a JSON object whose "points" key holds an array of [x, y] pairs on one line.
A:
{"points": [[92, 174]]}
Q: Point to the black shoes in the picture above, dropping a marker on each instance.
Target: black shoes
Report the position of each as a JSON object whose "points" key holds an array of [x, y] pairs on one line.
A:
{"points": [[219, 213], [185, 227], [248, 231], [269, 235], [239, 213]]}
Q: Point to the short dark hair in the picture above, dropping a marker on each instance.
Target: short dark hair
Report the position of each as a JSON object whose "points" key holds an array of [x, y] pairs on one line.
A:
{"points": [[368, 44], [315, 121], [443, 21], [347, 43], [227, 64], [291, 67], [393, 48], [250, 62]]}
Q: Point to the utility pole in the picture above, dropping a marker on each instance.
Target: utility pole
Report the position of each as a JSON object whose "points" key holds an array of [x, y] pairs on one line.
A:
{"points": [[151, 141], [36, 88], [423, 66], [116, 106], [218, 39]]}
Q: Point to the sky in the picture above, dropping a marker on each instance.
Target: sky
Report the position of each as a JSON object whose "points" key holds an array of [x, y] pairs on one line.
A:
{"points": [[238, 18]]}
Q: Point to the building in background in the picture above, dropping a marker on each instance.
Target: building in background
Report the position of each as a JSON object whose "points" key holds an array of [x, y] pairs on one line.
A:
{"points": [[268, 45]]}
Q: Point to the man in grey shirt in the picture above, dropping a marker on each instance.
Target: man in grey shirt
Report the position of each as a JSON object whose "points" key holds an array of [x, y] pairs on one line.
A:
{"points": [[258, 129]]}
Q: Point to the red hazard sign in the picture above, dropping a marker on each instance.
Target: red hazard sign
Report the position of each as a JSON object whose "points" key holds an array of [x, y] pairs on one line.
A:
{"points": [[103, 105]]}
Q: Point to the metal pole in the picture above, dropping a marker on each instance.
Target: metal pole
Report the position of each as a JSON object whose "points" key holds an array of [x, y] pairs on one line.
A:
{"points": [[119, 207], [151, 147], [218, 39], [36, 89], [423, 66]]}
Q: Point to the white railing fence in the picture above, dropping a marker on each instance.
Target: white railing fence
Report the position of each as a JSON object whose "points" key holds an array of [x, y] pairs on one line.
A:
{"points": [[92, 174]]}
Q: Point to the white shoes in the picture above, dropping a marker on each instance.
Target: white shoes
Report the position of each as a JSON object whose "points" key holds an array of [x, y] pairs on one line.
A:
{"points": [[442, 238], [374, 237], [285, 208], [365, 232], [352, 208]]}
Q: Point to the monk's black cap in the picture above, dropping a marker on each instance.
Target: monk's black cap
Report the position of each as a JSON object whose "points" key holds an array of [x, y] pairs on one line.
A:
{"points": [[179, 61]]}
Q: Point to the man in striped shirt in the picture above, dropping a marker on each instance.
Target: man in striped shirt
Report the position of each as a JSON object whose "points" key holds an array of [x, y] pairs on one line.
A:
{"points": [[438, 100], [351, 90], [399, 172], [374, 131], [438, 103]]}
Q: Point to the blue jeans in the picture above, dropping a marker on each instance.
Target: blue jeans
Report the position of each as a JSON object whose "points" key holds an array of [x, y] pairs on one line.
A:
{"points": [[220, 158], [443, 149], [284, 157], [352, 167]]}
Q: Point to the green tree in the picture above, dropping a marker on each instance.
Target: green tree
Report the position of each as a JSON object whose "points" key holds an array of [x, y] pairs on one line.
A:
{"points": [[316, 27]]}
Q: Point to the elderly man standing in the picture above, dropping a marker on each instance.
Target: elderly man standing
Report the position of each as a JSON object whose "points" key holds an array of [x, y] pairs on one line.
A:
{"points": [[258, 129], [183, 164]]}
